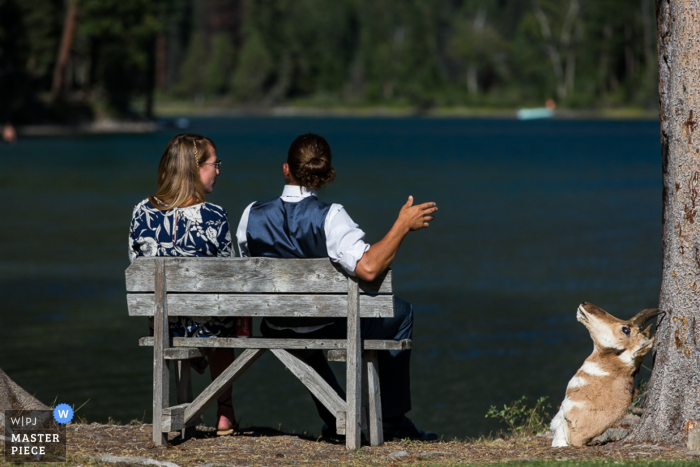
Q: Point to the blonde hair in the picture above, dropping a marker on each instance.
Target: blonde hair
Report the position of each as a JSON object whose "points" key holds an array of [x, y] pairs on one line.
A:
{"points": [[179, 183]]}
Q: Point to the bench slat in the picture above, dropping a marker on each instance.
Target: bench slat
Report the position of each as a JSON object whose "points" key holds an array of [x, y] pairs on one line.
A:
{"points": [[185, 354], [371, 306], [249, 275], [263, 343]]}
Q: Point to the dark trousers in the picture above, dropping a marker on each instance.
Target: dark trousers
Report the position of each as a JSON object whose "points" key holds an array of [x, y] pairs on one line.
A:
{"points": [[394, 365]]}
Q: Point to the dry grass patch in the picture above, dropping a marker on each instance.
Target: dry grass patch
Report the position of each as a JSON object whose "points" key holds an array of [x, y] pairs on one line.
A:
{"points": [[257, 446]]}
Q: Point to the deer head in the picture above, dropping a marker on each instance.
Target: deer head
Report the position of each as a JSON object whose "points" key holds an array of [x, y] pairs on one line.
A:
{"points": [[625, 339]]}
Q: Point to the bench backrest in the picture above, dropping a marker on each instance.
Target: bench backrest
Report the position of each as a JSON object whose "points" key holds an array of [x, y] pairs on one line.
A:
{"points": [[253, 287]]}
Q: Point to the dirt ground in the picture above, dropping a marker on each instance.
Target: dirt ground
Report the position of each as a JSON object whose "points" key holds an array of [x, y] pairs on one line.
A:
{"points": [[268, 447]]}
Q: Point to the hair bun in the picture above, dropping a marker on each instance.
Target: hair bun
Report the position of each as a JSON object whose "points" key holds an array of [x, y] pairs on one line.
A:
{"points": [[317, 165], [309, 160]]}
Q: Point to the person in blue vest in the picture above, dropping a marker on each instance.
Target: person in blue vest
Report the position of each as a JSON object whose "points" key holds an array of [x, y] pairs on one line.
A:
{"points": [[299, 225]]}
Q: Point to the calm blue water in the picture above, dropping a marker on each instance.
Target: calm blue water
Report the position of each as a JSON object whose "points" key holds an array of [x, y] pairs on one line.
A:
{"points": [[534, 217]]}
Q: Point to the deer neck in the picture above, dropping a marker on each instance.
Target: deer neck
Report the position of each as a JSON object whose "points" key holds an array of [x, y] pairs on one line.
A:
{"points": [[613, 362]]}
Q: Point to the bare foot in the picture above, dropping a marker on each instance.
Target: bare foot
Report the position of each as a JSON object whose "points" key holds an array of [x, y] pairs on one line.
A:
{"points": [[226, 421]]}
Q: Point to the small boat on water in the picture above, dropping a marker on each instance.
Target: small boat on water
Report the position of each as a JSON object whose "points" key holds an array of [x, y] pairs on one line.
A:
{"points": [[534, 113], [538, 112]]}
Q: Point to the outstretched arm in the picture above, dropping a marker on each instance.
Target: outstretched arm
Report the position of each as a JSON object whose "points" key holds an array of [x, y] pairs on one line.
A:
{"points": [[380, 255]]}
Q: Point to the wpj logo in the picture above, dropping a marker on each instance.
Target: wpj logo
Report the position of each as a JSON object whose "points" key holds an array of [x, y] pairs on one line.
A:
{"points": [[63, 413], [36, 435]]}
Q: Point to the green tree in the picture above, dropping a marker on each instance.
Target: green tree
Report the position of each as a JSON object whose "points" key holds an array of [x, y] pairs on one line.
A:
{"points": [[192, 71], [122, 33], [310, 42], [399, 49], [29, 33], [14, 50], [217, 73], [475, 44], [253, 69], [42, 20]]}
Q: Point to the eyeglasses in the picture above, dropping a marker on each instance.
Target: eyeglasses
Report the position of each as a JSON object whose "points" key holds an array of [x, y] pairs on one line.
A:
{"points": [[216, 165]]}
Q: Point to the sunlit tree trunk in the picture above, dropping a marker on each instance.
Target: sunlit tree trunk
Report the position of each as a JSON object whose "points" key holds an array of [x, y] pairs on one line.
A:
{"points": [[673, 402], [472, 69], [69, 25], [562, 52]]}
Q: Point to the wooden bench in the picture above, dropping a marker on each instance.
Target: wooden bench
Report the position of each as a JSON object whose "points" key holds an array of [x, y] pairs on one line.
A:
{"points": [[201, 287]]}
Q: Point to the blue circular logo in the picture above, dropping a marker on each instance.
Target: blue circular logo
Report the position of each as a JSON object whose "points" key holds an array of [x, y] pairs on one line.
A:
{"points": [[63, 413]]}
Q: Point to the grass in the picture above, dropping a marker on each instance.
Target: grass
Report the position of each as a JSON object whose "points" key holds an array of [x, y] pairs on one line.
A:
{"points": [[611, 462]]}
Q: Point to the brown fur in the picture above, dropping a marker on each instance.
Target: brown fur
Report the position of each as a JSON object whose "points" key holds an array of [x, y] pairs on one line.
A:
{"points": [[600, 392]]}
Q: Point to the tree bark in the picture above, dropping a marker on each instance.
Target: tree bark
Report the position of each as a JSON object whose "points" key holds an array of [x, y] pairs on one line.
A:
{"points": [[151, 78], [673, 402], [648, 36], [69, 24], [561, 53]]}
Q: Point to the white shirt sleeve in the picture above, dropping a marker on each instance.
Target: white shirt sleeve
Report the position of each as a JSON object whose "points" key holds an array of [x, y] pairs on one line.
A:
{"points": [[241, 236], [344, 240]]}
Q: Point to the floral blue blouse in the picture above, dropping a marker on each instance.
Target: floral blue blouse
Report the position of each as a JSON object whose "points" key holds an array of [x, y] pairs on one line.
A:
{"points": [[199, 230]]}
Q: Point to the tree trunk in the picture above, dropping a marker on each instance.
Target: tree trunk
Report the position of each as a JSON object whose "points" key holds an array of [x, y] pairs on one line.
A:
{"points": [[151, 77], [604, 63], [648, 37], [472, 79], [69, 24], [562, 54], [161, 52], [673, 402]]}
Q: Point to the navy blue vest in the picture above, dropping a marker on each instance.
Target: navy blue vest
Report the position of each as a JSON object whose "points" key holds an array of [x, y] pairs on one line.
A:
{"points": [[277, 229]]}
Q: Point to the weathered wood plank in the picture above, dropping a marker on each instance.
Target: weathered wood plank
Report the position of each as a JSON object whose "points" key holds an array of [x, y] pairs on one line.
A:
{"points": [[263, 343], [161, 374], [340, 421], [217, 387], [184, 354], [312, 380], [337, 355], [183, 381], [374, 400], [173, 418], [373, 306], [354, 368], [248, 275], [183, 386]]}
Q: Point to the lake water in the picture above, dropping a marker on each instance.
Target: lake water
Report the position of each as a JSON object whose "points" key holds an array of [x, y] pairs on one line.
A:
{"points": [[534, 217]]}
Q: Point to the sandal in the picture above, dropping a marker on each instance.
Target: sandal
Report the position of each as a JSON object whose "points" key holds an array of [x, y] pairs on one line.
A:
{"points": [[199, 364], [233, 422]]}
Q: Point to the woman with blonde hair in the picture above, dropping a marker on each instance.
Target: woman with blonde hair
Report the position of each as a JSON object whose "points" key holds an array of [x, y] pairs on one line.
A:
{"points": [[177, 221]]}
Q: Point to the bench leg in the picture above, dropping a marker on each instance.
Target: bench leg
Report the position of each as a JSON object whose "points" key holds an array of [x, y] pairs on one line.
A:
{"points": [[376, 431], [183, 382], [354, 368], [161, 392], [161, 341]]}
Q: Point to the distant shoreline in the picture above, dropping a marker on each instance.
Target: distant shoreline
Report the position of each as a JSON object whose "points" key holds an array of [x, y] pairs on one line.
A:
{"points": [[100, 127], [179, 110], [190, 109]]}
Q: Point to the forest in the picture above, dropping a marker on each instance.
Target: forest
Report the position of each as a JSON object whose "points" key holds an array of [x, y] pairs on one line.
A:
{"points": [[76, 60]]}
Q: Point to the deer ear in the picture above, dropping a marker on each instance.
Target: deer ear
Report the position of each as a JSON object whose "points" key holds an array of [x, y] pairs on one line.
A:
{"points": [[644, 316], [646, 331]]}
